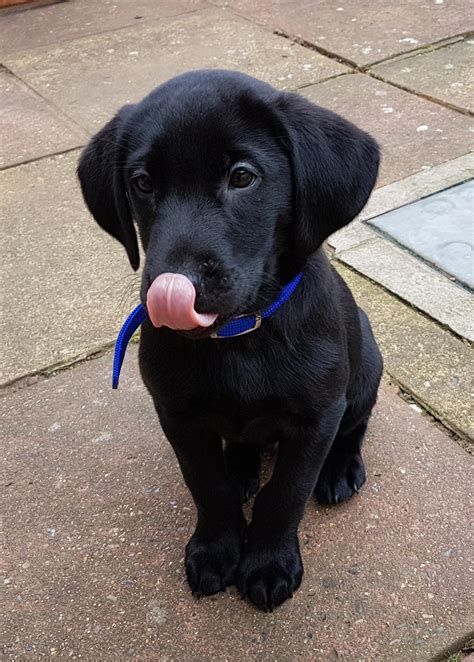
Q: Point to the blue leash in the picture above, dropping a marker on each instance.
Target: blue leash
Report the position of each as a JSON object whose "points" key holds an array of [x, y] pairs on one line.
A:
{"points": [[133, 321], [236, 327]]}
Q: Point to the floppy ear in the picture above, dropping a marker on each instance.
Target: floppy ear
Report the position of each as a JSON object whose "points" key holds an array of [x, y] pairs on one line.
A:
{"points": [[334, 164], [103, 188]]}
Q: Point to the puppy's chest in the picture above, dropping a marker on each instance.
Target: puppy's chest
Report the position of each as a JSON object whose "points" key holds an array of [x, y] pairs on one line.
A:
{"points": [[247, 399], [251, 421], [249, 379], [244, 395]]}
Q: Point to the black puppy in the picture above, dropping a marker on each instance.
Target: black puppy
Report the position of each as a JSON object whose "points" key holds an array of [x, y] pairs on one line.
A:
{"points": [[236, 185]]}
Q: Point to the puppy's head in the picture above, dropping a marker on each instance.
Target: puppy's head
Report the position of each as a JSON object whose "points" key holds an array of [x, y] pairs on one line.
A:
{"points": [[230, 183]]}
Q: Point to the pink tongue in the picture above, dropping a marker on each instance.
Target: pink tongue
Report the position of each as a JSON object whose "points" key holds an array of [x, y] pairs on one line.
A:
{"points": [[170, 302]]}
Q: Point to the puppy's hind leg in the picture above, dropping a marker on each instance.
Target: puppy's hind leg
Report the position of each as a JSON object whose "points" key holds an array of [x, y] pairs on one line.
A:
{"points": [[343, 472]]}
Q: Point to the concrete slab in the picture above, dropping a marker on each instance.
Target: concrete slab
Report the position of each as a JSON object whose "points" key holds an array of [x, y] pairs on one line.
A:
{"points": [[416, 282], [96, 517], [361, 31], [414, 134], [425, 359], [91, 78], [29, 126], [67, 20], [419, 185], [403, 192], [66, 286], [445, 74], [411, 279], [438, 228]]}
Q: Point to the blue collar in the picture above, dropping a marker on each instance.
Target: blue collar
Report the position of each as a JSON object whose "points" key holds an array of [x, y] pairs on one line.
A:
{"points": [[236, 327]]}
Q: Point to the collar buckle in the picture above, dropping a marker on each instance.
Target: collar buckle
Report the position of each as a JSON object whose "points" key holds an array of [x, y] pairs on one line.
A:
{"points": [[247, 324]]}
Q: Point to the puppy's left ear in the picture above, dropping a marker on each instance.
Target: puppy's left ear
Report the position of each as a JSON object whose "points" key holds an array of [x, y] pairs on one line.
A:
{"points": [[100, 173], [335, 165]]}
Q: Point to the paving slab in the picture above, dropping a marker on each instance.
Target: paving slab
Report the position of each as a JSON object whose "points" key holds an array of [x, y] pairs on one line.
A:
{"points": [[421, 184], [424, 358], [29, 126], [361, 31], [401, 271], [445, 74], [96, 517], [23, 30], [66, 286], [90, 78], [439, 228], [413, 280], [414, 133], [403, 192]]}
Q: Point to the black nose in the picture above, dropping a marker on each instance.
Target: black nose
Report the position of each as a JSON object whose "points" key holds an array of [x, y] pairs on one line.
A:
{"points": [[205, 276], [206, 272], [211, 280], [197, 280]]}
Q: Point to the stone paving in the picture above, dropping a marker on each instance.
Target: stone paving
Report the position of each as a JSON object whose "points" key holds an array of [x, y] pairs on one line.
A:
{"points": [[96, 514], [414, 134], [442, 231], [96, 517], [361, 32], [91, 77], [30, 127], [443, 300], [440, 74]]}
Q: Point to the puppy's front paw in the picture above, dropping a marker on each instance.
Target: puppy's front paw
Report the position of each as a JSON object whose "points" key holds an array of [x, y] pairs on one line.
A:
{"points": [[269, 576], [211, 566]]}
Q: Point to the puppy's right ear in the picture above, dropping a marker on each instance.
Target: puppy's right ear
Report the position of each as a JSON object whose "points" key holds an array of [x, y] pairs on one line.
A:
{"points": [[103, 187], [334, 165]]}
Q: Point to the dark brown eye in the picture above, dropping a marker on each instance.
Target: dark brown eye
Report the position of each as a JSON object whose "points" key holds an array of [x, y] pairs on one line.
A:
{"points": [[241, 178], [143, 183]]}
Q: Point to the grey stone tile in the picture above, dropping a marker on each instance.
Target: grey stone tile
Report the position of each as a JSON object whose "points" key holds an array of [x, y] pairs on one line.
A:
{"points": [[90, 78], [419, 185], [414, 134], [440, 228], [352, 235], [405, 191], [424, 358], [64, 21], [30, 127], [415, 282], [362, 31], [66, 286], [98, 515], [445, 74]]}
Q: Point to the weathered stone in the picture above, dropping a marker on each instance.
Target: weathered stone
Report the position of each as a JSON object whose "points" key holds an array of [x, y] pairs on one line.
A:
{"points": [[44, 26], [416, 282], [445, 73], [402, 192], [423, 183], [400, 271], [439, 229], [90, 78], [414, 134], [66, 285], [29, 126], [96, 535], [361, 31], [425, 359]]}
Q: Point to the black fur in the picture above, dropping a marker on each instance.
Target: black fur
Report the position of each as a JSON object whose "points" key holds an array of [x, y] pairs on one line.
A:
{"points": [[308, 378]]}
